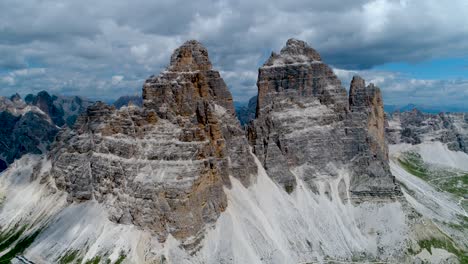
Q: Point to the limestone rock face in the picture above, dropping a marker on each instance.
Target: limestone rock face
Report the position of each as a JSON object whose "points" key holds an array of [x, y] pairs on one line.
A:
{"points": [[369, 156], [306, 126], [189, 80], [162, 167], [191, 56], [298, 72], [415, 127], [295, 51]]}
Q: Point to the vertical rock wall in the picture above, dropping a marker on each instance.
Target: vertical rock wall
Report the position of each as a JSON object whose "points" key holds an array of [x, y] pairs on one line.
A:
{"points": [[306, 126]]}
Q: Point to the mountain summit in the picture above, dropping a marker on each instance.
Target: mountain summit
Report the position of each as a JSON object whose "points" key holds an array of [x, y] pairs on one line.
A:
{"points": [[295, 51], [191, 56]]}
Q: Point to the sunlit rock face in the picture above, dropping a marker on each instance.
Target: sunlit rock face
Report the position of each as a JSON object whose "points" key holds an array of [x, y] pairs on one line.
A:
{"points": [[369, 155], [306, 125], [163, 166]]}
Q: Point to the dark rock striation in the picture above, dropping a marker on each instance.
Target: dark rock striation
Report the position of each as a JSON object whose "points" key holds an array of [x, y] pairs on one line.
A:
{"points": [[306, 126], [162, 167]]}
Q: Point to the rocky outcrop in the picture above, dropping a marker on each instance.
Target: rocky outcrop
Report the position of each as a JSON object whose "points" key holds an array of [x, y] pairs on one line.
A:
{"points": [[306, 126], [161, 167], [367, 102], [369, 155], [197, 82], [415, 127], [193, 95]]}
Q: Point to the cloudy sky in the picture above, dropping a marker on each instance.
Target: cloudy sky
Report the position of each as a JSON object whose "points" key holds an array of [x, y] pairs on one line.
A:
{"points": [[415, 50]]}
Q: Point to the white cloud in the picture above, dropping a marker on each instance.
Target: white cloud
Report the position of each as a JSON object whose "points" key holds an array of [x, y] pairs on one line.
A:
{"points": [[9, 80], [28, 72], [140, 51], [116, 79]]}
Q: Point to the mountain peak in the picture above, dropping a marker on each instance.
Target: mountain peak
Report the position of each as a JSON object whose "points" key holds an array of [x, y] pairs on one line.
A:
{"points": [[15, 97], [361, 96], [357, 82], [191, 56], [295, 51]]}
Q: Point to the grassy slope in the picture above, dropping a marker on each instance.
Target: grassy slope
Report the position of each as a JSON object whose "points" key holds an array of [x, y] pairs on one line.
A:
{"points": [[446, 180]]}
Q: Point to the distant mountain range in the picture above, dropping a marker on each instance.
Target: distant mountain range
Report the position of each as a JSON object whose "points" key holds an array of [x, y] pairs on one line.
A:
{"points": [[128, 99], [246, 111], [425, 108], [29, 125]]}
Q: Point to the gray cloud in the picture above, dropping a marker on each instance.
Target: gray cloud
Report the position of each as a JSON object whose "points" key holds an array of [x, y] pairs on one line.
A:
{"points": [[83, 45]]}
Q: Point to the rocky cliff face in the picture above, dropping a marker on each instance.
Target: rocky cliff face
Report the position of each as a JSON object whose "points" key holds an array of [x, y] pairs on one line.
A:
{"points": [[369, 150], [415, 127], [161, 167], [306, 126]]}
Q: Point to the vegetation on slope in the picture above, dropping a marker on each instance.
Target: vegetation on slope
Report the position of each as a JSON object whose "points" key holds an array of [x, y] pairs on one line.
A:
{"points": [[19, 247], [442, 178]]}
